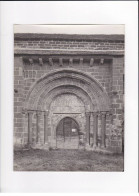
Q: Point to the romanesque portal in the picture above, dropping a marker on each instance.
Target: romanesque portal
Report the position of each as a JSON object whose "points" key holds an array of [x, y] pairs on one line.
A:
{"points": [[68, 98], [66, 93]]}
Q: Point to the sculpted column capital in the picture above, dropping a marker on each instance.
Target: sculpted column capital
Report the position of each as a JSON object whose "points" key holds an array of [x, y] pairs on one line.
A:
{"points": [[38, 113], [46, 113], [103, 114], [24, 111], [95, 114], [88, 114], [30, 112]]}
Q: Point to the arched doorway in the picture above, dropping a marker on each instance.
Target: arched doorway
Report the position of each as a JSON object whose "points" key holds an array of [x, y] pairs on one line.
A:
{"points": [[67, 134], [57, 84]]}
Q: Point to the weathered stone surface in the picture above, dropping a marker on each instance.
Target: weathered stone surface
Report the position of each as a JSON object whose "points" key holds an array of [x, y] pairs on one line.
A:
{"points": [[68, 77]]}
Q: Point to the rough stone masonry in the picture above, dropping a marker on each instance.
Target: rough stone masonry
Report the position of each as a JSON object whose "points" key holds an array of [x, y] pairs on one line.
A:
{"points": [[69, 91]]}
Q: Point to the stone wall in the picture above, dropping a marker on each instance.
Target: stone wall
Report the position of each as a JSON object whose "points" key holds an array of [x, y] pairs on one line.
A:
{"points": [[108, 73], [60, 44], [33, 72]]}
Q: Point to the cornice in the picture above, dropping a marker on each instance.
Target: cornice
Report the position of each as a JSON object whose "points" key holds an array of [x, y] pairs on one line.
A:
{"points": [[32, 51], [95, 37]]}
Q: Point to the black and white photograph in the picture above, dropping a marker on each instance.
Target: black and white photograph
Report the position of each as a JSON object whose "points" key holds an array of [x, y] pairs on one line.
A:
{"points": [[69, 98]]}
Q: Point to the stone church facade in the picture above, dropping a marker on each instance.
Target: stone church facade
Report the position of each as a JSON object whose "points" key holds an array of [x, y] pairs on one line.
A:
{"points": [[69, 91]]}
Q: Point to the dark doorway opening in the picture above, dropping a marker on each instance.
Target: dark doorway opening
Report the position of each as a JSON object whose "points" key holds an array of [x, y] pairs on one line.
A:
{"points": [[67, 134]]}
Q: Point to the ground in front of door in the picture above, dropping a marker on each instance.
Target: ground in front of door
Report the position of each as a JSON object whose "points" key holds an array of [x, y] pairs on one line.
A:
{"points": [[66, 160]]}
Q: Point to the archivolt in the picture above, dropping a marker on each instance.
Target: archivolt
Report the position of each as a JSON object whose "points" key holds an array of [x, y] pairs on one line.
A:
{"points": [[45, 100], [47, 86]]}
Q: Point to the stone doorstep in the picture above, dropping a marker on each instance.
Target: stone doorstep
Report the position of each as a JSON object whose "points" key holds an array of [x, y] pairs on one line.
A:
{"points": [[101, 150], [98, 149], [87, 148], [40, 146]]}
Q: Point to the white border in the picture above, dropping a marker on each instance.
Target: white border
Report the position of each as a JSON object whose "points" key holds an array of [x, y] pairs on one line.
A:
{"points": [[70, 13]]}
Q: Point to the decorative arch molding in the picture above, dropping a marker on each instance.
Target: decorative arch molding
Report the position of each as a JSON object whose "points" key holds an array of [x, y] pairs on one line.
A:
{"points": [[59, 83], [48, 85], [45, 101]]}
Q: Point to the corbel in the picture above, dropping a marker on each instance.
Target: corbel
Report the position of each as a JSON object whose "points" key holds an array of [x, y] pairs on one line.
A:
{"points": [[102, 61], [71, 61], [31, 61], [41, 61], [81, 61], [60, 62], [51, 61], [91, 62]]}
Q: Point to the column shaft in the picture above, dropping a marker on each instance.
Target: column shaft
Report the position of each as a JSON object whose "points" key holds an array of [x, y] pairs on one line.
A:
{"points": [[88, 128], [103, 129], [45, 127], [29, 127], [37, 127], [95, 127]]}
